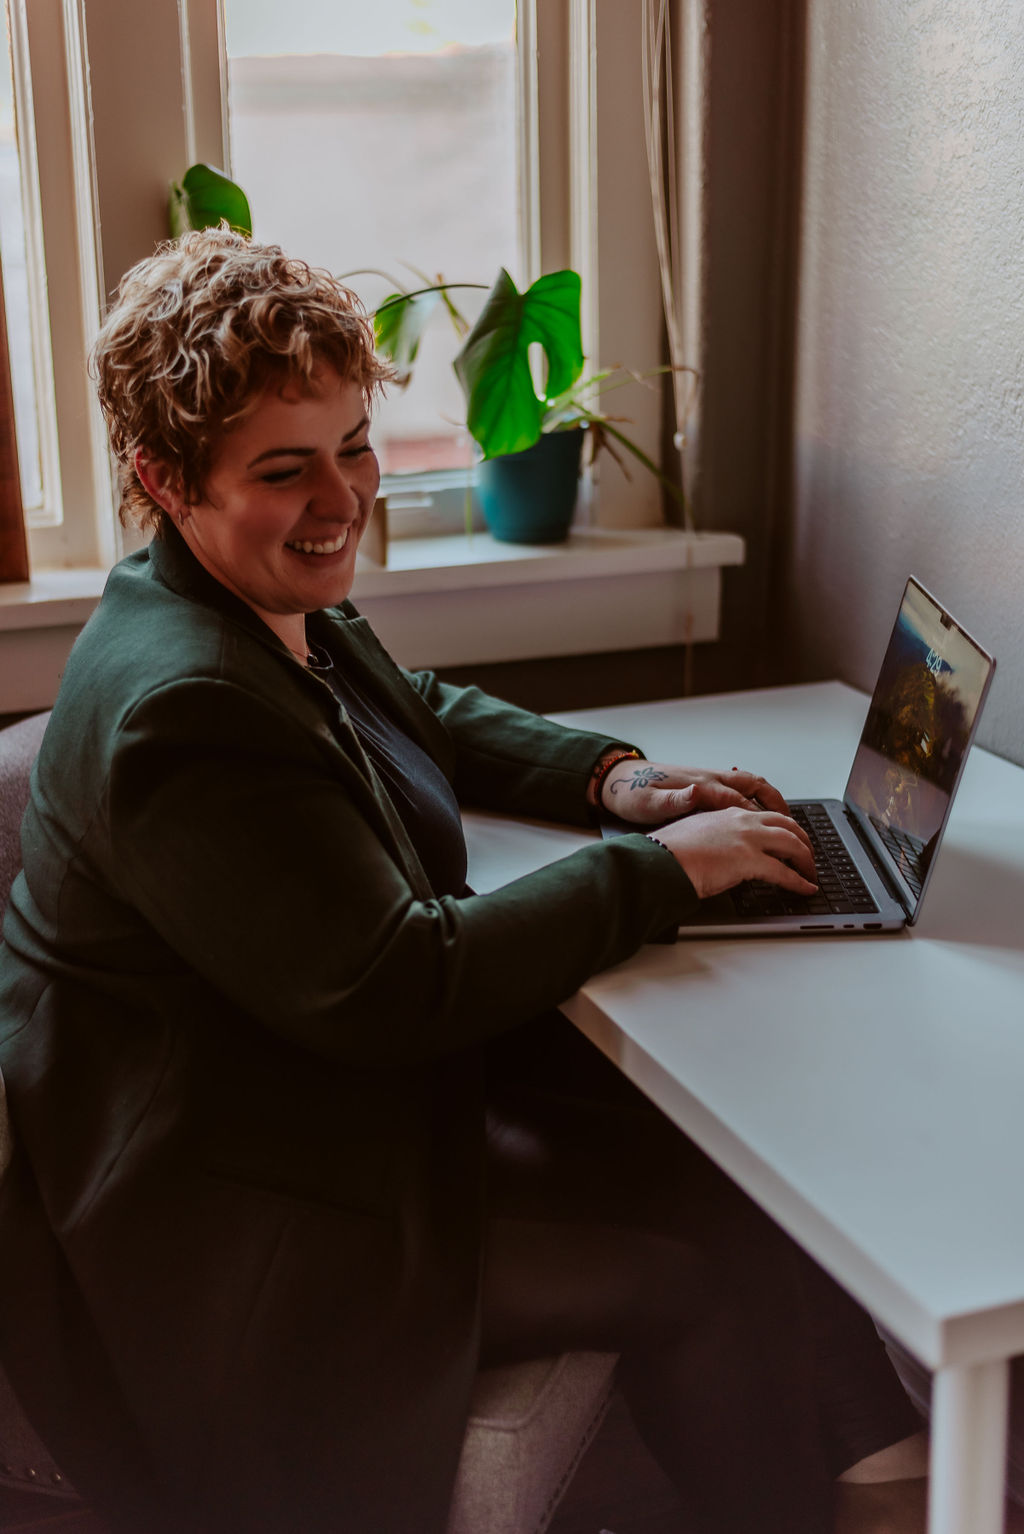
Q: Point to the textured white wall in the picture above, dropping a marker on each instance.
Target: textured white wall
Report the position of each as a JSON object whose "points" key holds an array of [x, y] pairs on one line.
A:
{"points": [[910, 405]]}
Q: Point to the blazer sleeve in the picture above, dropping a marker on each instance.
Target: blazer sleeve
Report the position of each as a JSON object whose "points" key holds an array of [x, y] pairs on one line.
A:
{"points": [[244, 839], [509, 759]]}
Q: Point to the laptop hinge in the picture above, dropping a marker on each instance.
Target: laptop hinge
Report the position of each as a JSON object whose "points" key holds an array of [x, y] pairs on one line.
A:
{"points": [[880, 861]]}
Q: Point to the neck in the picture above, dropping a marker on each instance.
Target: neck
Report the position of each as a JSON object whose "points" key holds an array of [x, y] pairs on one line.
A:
{"points": [[290, 628]]}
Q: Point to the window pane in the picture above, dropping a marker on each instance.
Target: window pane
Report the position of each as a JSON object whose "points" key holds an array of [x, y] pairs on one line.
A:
{"points": [[382, 134], [16, 292]]}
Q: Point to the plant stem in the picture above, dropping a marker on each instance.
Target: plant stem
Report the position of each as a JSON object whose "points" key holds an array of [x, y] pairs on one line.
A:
{"points": [[437, 287]]}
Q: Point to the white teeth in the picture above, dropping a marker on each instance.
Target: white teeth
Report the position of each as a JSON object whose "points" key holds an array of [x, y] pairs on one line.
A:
{"points": [[304, 546]]}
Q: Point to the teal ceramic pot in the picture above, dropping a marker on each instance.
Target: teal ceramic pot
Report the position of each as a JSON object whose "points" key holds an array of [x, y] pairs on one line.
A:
{"points": [[530, 497]]}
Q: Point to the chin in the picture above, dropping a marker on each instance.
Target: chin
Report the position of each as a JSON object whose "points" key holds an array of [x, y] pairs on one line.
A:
{"points": [[341, 586]]}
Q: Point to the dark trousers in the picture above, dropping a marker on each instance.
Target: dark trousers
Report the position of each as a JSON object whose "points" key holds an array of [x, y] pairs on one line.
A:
{"points": [[754, 1379]]}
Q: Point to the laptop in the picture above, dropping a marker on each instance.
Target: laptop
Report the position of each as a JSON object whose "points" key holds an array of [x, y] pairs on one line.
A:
{"points": [[875, 849]]}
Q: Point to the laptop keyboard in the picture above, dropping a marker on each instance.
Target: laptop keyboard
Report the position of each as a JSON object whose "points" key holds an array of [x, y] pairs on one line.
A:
{"points": [[841, 890]]}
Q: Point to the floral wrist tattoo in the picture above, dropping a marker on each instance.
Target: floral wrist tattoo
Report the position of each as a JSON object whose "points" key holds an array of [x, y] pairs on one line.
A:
{"points": [[641, 777]]}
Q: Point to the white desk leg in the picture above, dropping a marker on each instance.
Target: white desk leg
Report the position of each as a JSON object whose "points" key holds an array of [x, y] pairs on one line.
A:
{"points": [[968, 1449]]}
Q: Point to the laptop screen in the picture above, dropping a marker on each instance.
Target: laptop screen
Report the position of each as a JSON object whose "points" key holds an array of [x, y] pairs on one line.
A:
{"points": [[918, 730]]}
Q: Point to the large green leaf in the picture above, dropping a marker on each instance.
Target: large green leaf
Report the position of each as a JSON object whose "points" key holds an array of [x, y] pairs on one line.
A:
{"points": [[503, 411], [399, 323], [203, 198]]}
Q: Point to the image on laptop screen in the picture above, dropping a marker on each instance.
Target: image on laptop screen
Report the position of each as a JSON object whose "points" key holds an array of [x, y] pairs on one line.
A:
{"points": [[918, 730]]}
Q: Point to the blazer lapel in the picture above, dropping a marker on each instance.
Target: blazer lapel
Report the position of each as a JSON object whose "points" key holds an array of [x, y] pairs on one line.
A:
{"points": [[351, 643]]}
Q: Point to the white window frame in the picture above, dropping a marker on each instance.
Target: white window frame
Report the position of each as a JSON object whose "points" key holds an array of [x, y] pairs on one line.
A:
{"points": [[49, 511], [612, 241], [76, 528], [101, 194], [110, 135]]}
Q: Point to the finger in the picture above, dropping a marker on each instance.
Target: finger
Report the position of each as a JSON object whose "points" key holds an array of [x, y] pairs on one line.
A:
{"points": [[709, 794], [786, 823], [760, 790], [775, 872], [768, 795], [788, 849]]}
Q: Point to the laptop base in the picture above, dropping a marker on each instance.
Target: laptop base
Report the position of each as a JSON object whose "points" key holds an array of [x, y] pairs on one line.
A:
{"points": [[720, 916]]}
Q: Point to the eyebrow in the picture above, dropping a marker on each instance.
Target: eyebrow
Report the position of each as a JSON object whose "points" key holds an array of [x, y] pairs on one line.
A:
{"points": [[303, 452]]}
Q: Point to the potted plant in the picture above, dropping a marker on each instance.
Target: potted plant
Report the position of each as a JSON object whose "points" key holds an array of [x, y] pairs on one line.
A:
{"points": [[530, 438]]}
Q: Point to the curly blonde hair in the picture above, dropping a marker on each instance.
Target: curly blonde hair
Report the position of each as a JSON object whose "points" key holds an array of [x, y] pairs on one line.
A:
{"points": [[197, 332]]}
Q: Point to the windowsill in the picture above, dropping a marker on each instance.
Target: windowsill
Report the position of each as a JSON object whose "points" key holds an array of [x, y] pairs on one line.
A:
{"points": [[603, 589], [457, 562], [51, 598], [415, 565]]}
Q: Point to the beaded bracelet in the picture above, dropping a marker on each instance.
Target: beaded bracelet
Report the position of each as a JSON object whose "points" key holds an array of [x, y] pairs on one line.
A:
{"points": [[605, 766]]}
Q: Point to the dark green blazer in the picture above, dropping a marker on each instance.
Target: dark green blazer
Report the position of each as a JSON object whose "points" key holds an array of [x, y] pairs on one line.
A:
{"points": [[242, 1045]]}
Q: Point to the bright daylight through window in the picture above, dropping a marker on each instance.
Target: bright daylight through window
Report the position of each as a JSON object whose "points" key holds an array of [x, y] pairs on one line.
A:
{"points": [[380, 140]]}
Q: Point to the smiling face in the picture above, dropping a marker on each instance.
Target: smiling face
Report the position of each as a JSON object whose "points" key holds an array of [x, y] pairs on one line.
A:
{"points": [[284, 504]]}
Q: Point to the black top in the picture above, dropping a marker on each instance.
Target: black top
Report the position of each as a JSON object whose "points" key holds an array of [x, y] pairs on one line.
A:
{"points": [[418, 789]]}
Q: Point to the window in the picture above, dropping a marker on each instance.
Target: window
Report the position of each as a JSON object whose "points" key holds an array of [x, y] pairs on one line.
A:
{"points": [[463, 157], [52, 288], [381, 140], [28, 328], [109, 135]]}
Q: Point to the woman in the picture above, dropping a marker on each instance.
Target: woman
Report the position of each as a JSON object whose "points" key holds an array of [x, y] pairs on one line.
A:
{"points": [[253, 1020]]}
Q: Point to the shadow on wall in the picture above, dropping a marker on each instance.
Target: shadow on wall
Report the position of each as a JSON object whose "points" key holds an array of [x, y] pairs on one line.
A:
{"points": [[861, 526]]}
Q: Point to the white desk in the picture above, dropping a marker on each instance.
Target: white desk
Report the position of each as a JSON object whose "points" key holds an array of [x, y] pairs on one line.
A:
{"points": [[867, 1091]]}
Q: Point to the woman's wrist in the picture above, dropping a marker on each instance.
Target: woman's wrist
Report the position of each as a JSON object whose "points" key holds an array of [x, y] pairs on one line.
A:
{"points": [[603, 767]]}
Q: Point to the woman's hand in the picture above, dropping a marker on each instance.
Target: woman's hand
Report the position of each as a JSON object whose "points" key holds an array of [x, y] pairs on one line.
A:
{"points": [[722, 849], [651, 793]]}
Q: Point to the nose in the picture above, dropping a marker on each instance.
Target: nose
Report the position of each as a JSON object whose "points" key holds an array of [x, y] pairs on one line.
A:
{"points": [[336, 495]]}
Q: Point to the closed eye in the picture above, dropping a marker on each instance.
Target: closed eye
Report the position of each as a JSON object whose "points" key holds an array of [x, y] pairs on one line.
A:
{"points": [[285, 476], [281, 476]]}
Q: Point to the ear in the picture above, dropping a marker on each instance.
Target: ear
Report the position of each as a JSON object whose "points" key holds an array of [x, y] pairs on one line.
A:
{"points": [[162, 484]]}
